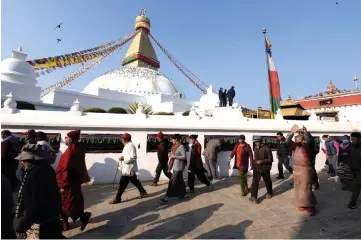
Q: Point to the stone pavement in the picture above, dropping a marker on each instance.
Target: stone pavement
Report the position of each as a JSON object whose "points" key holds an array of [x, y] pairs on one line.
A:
{"points": [[223, 213]]}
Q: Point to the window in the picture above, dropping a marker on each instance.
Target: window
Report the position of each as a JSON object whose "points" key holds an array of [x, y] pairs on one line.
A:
{"points": [[229, 141], [152, 142], [102, 143], [326, 102], [53, 138]]}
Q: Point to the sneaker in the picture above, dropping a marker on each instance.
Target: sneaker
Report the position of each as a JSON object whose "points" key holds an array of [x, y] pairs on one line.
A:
{"points": [[163, 201], [280, 178], [210, 187], [337, 179], [269, 196], [351, 205], [253, 200], [154, 184], [114, 201], [142, 195]]}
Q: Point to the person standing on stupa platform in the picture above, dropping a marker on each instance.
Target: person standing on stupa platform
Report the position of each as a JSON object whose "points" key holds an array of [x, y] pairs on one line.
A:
{"points": [[10, 148], [176, 185], [355, 165], [163, 147], [231, 94], [244, 155], [224, 98], [210, 156], [129, 169], [283, 153], [261, 165], [71, 173], [303, 171], [196, 166], [220, 96]]}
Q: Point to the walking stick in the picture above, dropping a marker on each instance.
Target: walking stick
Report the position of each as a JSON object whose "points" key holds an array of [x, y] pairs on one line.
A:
{"points": [[115, 177]]}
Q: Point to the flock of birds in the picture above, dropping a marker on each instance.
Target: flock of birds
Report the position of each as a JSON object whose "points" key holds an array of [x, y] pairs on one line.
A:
{"points": [[58, 26]]}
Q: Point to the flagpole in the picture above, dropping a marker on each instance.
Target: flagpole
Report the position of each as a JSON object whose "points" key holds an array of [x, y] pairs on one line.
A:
{"points": [[264, 30]]}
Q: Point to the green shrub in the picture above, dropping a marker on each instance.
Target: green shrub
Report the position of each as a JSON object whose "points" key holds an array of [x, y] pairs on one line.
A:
{"points": [[95, 110], [186, 113], [163, 113], [25, 105], [117, 110]]}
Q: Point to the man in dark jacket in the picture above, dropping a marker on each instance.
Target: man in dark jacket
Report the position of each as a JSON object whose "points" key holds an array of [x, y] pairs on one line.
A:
{"points": [[163, 147], [283, 155], [231, 94], [355, 166], [224, 98], [220, 95], [7, 230], [261, 165], [39, 197], [10, 148]]}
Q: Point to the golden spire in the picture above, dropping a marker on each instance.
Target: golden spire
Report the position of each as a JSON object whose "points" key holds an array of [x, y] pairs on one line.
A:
{"points": [[142, 13], [355, 78]]}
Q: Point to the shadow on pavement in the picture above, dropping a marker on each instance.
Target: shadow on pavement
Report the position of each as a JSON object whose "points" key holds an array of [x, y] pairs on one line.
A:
{"points": [[227, 232]]}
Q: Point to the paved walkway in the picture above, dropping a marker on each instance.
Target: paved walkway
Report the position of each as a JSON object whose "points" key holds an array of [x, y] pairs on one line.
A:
{"points": [[223, 213]]}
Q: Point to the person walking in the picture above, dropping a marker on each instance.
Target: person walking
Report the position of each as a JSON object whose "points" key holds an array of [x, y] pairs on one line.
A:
{"points": [[71, 173], [196, 166], [210, 155], [283, 153], [244, 155], [10, 148], [39, 201], [162, 159], [355, 165], [344, 171], [261, 165], [7, 204], [231, 94], [331, 149], [303, 171], [43, 141], [176, 185], [129, 169]]}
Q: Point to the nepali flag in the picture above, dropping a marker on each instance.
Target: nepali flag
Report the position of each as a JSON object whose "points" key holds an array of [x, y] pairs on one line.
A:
{"points": [[273, 80]]}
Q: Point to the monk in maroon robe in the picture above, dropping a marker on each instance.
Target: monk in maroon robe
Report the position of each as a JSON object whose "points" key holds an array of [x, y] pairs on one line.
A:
{"points": [[70, 174]]}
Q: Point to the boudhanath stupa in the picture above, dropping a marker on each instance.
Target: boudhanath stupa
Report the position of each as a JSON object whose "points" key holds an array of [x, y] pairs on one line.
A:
{"points": [[137, 80]]}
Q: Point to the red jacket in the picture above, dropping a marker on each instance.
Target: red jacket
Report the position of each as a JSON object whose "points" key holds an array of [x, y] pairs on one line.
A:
{"points": [[241, 161]]}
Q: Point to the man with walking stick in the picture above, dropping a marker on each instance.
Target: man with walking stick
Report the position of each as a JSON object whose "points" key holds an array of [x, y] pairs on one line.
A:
{"points": [[129, 168], [261, 165]]}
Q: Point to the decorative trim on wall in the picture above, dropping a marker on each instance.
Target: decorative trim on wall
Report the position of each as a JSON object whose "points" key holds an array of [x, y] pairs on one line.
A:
{"points": [[102, 143]]}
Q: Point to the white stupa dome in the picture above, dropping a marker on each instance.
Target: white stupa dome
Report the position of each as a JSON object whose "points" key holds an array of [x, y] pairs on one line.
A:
{"points": [[210, 100], [134, 80], [17, 70]]}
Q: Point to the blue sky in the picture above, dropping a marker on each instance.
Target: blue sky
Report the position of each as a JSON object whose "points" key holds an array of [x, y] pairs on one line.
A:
{"points": [[221, 42]]}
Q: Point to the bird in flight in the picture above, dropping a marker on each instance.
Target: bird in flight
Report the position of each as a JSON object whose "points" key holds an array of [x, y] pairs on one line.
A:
{"points": [[58, 26], [336, 2], [58, 39]]}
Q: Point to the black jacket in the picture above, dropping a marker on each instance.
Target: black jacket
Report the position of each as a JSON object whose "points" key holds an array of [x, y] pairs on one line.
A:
{"points": [[42, 203], [231, 93], [163, 147], [263, 153], [282, 148], [7, 230], [355, 157], [344, 155]]}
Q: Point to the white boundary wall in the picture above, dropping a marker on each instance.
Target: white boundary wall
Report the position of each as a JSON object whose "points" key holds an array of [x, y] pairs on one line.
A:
{"points": [[103, 166]]}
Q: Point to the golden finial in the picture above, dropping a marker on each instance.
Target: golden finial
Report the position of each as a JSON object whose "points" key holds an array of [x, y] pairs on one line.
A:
{"points": [[264, 30], [289, 98], [355, 78], [143, 12]]}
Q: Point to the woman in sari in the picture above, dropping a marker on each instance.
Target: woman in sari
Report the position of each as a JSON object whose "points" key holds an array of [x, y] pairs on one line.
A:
{"points": [[303, 174], [178, 161]]}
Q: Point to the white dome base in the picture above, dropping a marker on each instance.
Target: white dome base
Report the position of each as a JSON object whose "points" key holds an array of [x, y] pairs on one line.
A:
{"points": [[134, 80]]}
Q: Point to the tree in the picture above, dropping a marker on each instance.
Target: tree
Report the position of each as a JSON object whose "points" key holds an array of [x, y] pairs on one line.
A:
{"points": [[134, 106], [163, 113], [186, 113], [21, 105], [95, 110]]}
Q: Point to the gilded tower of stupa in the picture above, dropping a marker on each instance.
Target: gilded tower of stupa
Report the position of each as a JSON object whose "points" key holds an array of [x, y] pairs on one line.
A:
{"points": [[141, 52]]}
